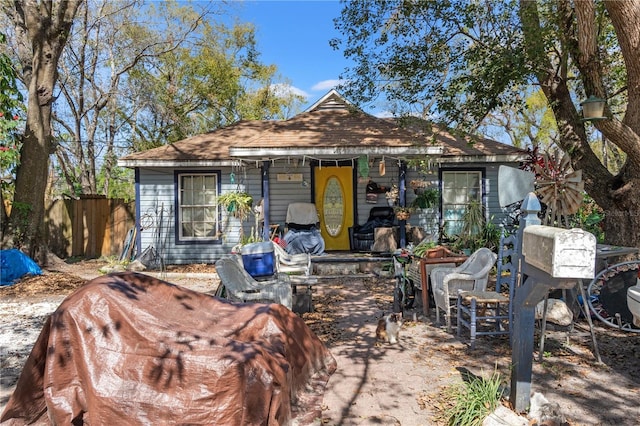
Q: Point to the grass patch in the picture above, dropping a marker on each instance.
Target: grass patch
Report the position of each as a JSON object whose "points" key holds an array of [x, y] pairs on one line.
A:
{"points": [[475, 399]]}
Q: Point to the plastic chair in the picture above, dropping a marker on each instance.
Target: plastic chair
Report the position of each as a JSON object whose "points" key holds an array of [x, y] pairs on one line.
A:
{"points": [[239, 286], [291, 263], [298, 268], [489, 313], [472, 275]]}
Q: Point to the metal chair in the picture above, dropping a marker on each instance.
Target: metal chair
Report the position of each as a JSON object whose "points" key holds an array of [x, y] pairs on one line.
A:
{"points": [[237, 285], [487, 313], [472, 275]]}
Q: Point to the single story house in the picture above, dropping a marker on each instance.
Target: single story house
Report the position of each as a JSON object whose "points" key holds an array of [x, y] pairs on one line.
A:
{"points": [[332, 155]]}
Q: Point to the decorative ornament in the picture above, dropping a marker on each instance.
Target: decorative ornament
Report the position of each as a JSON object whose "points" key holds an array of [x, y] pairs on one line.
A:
{"points": [[559, 187]]}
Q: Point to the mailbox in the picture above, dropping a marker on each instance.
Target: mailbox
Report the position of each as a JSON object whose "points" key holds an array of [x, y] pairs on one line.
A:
{"points": [[561, 253]]}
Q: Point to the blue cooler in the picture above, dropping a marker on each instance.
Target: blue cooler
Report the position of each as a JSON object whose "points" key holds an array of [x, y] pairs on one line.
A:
{"points": [[258, 259]]}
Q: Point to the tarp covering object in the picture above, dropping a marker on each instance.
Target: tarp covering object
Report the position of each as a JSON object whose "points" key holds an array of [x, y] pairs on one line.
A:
{"points": [[304, 241], [14, 264], [130, 349]]}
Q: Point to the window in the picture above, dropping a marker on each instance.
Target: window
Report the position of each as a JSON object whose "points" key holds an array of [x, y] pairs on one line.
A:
{"points": [[459, 188], [198, 206]]}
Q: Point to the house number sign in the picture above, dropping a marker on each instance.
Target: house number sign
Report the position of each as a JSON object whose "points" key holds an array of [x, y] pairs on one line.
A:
{"points": [[333, 206]]}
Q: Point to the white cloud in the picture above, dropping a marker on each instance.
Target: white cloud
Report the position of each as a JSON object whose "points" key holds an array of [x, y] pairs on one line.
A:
{"points": [[326, 85]]}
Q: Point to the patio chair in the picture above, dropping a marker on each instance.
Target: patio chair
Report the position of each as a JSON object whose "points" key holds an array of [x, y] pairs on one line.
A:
{"points": [[239, 286], [472, 275], [298, 268], [489, 313], [291, 263]]}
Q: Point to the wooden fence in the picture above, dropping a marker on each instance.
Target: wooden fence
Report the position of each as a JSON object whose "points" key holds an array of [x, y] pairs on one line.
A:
{"points": [[90, 227]]}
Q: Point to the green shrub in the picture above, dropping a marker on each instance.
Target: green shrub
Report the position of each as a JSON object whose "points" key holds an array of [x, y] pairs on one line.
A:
{"points": [[475, 399]]}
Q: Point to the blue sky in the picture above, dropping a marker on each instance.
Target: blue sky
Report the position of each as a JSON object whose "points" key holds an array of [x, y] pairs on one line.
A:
{"points": [[294, 35]]}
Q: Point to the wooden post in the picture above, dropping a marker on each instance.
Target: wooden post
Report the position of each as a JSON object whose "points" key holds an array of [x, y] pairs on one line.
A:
{"points": [[266, 230]]}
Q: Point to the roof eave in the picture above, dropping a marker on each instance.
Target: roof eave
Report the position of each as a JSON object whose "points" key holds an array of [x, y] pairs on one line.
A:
{"points": [[177, 163], [335, 151], [497, 158]]}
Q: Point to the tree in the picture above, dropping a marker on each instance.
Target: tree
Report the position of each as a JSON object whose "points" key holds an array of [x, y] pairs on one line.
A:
{"points": [[139, 74], [478, 58], [41, 29], [10, 103], [111, 40], [213, 82]]}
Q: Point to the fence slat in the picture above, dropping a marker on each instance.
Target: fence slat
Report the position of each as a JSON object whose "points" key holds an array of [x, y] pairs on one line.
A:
{"points": [[89, 227]]}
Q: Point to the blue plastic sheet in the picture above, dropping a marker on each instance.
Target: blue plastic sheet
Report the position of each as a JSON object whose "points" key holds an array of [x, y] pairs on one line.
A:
{"points": [[14, 264]]}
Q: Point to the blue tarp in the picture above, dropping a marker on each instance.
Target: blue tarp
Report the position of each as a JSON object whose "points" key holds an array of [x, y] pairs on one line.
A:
{"points": [[14, 264]]}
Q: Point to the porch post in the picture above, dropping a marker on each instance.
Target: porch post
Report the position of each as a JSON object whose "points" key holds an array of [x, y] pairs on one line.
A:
{"points": [[138, 208], [265, 201], [403, 202]]}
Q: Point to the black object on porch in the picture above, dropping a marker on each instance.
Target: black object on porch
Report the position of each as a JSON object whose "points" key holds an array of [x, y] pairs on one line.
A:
{"points": [[361, 237]]}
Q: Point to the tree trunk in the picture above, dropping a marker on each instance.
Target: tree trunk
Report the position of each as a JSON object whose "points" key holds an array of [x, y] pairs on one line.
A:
{"points": [[618, 195], [622, 220], [43, 28]]}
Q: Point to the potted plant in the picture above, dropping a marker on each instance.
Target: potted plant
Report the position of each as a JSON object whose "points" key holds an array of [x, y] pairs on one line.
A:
{"points": [[428, 198], [392, 195], [419, 185], [403, 213], [238, 203], [471, 236]]}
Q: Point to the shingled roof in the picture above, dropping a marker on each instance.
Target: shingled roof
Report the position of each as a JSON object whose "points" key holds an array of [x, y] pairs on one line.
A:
{"points": [[331, 128]]}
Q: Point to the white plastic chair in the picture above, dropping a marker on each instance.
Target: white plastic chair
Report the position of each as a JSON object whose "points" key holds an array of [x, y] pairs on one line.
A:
{"points": [[239, 286], [291, 263], [472, 275]]}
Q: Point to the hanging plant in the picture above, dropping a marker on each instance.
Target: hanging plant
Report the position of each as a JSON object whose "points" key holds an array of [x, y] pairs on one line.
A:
{"points": [[403, 213], [419, 183], [393, 193], [238, 204]]}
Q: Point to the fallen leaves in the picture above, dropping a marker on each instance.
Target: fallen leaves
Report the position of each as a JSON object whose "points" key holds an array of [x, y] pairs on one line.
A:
{"points": [[49, 283]]}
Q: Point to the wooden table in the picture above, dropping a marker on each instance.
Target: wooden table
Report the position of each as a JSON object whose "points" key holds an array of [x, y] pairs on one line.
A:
{"points": [[426, 264]]}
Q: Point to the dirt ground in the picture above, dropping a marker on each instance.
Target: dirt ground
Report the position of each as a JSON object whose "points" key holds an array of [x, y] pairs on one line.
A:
{"points": [[403, 384]]}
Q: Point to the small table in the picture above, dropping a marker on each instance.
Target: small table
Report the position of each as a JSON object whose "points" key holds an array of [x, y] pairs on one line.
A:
{"points": [[426, 264]]}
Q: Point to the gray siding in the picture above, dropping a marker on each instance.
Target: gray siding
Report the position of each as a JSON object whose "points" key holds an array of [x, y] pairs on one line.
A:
{"points": [[157, 209], [157, 204]]}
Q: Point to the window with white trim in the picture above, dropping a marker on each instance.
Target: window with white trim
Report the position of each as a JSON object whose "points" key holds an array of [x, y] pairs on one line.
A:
{"points": [[459, 188], [198, 206]]}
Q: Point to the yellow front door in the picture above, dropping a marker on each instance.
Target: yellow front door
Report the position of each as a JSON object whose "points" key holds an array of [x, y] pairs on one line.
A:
{"points": [[334, 200]]}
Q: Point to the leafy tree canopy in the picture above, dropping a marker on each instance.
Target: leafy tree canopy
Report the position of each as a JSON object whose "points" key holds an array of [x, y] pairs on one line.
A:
{"points": [[465, 63]]}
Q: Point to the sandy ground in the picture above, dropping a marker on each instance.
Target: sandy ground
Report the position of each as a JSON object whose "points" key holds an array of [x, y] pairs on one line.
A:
{"points": [[403, 384]]}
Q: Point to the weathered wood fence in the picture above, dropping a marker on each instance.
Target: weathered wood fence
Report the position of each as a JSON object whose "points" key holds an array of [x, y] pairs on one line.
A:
{"points": [[90, 227]]}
